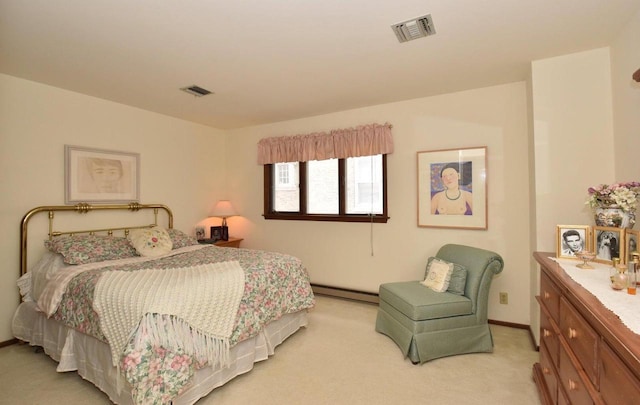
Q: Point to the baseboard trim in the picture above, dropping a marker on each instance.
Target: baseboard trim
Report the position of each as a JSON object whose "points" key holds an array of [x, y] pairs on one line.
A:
{"points": [[519, 326], [8, 342], [345, 293], [509, 324], [533, 340]]}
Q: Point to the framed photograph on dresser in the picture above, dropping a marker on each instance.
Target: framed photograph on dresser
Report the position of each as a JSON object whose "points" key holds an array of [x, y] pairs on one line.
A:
{"points": [[632, 238], [608, 242], [571, 239]]}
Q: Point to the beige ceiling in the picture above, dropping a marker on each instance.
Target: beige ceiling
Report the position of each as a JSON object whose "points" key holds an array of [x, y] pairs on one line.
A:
{"points": [[275, 60]]}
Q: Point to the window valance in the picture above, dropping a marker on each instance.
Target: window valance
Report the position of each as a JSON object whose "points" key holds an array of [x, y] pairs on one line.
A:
{"points": [[365, 140]]}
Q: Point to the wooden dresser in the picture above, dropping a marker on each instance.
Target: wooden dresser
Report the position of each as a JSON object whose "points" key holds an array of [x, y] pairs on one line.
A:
{"points": [[587, 356]]}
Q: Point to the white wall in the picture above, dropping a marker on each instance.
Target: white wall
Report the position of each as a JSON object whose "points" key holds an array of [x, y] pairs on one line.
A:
{"points": [[339, 254], [573, 145], [573, 124], [180, 161], [625, 59]]}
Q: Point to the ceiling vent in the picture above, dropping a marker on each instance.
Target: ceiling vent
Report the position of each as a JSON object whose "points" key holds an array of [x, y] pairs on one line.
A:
{"points": [[414, 29], [196, 91]]}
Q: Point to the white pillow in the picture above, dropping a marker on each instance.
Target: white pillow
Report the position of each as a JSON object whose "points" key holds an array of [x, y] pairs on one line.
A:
{"points": [[151, 242], [438, 275], [44, 270], [24, 285]]}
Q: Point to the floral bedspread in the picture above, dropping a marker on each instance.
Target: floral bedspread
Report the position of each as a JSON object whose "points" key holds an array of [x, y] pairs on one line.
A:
{"points": [[275, 284]]}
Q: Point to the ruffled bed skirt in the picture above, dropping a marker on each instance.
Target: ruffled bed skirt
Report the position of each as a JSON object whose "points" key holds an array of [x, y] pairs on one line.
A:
{"points": [[91, 358]]}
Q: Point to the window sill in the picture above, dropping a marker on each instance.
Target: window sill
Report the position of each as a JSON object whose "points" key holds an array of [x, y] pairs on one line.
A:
{"points": [[335, 218]]}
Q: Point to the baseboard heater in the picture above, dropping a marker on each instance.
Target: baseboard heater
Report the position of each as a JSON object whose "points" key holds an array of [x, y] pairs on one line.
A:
{"points": [[345, 293]]}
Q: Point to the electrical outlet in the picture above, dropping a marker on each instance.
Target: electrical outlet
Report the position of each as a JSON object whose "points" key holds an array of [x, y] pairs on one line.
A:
{"points": [[504, 298]]}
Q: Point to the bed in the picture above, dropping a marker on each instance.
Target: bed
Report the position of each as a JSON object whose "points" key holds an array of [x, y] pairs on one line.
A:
{"points": [[152, 316]]}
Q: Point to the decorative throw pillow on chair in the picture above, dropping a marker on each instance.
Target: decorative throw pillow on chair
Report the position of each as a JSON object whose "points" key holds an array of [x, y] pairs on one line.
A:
{"points": [[438, 275], [457, 278]]}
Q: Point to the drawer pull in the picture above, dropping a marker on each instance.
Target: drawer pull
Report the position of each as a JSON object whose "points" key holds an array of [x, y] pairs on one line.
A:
{"points": [[546, 295], [546, 370], [572, 385], [546, 333], [572, 333]]}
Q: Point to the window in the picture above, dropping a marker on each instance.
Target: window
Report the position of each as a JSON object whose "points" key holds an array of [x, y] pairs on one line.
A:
{"points": [[364, 185], [287, 194], [348, 190], [285, 178]]}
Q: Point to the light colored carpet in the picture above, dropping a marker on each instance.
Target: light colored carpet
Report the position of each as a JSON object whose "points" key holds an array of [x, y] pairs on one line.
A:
{"points": [[337, 359]]}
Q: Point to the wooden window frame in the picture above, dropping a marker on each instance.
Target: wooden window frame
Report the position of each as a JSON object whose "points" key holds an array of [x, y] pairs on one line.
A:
{"points": [[302, 215]]}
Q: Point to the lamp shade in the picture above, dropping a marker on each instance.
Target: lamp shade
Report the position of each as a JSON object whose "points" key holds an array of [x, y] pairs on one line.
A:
{"points": [[223, 209]]}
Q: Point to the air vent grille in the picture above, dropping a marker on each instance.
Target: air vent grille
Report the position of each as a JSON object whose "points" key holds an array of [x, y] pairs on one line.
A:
{"points": [[196, 91], [414, 29]]}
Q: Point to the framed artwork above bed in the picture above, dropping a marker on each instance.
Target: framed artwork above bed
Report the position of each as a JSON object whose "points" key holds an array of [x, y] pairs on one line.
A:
{"points": [[100, 176]]}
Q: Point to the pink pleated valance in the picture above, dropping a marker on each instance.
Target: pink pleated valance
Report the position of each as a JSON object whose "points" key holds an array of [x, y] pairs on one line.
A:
{"points": [[365, 140]]}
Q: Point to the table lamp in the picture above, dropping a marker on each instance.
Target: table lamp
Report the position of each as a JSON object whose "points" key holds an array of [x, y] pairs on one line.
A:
{"points": [[223, 209]]}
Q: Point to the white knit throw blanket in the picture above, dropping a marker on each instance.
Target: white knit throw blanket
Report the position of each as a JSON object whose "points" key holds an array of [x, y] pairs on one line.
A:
{"points": [[191, 308]]}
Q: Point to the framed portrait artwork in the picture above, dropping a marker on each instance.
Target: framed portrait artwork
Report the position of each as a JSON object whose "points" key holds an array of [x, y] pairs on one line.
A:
{"points": [[632, 243], [571, 239], [452, 188], [97, 175], [608, 242]]}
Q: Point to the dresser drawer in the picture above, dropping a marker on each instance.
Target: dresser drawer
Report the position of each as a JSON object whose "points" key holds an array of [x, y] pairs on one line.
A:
{"points": [[549, 373], [562, 397], [582, 339], [574, 386], [617, 384], [550, 297], [549, 336]]}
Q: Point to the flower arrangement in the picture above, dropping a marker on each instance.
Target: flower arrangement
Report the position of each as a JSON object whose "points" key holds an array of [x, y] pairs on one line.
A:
{"points": [[623, 195]]}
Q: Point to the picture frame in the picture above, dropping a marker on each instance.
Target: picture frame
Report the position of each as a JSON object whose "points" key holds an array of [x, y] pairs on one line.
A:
{"points": [[200, 232], [465, 200], [608, 242], [101, 176], [571, 239], [631, 238], [216, 233]]}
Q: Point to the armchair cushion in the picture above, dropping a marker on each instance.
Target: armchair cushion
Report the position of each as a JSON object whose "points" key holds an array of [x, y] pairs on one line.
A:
{"points": [[420, 303]]}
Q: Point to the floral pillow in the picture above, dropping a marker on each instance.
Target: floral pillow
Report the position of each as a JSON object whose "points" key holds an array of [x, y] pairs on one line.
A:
{"points": [[82, 249], [438, 275], [151, 242], [181, 239]]}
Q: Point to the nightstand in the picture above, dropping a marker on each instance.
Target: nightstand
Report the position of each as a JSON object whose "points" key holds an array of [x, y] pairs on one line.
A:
{"points": [[232, 242]]}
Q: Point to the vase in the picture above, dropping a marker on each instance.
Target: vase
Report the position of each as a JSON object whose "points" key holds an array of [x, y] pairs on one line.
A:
{"points": [[612, 215]]}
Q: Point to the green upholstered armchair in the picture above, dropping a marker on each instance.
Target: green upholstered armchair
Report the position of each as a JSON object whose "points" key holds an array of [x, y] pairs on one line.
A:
{"points": [[427, 325]]}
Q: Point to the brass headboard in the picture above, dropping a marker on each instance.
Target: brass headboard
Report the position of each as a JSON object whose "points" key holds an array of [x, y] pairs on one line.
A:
{"points": [[84, 208]]}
